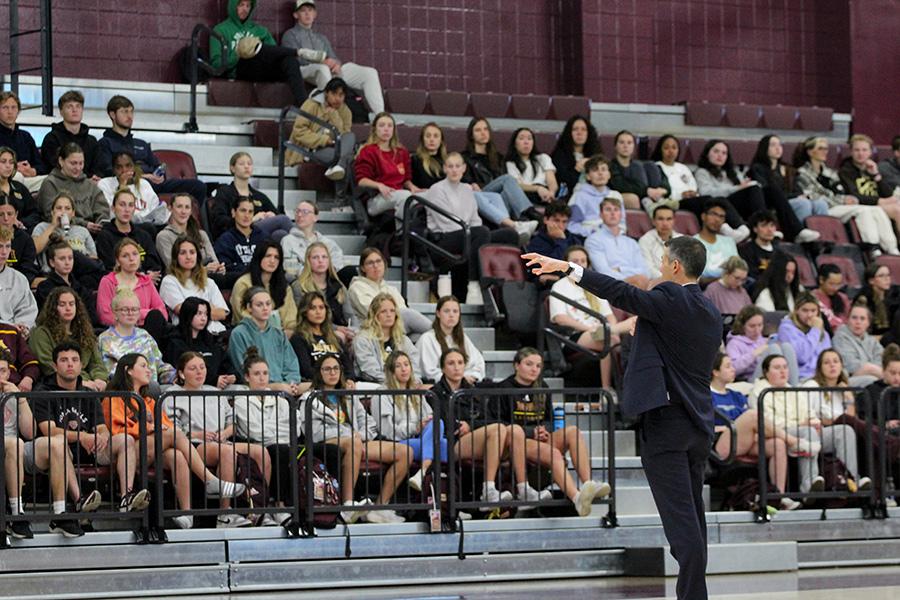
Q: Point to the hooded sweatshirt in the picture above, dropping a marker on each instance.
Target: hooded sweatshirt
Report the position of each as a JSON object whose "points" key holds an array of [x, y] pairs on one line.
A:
{"points": [[329, 420], [294, 246], [196, 412], [807, 345], [90, 204], [299, 36], [23, 144], [363, 290], [740, 350], [59, 136], [110, 236], [264, 418], [22, 362], [233, 30], [310, 135], [861, 184], [18, 305], [112, 143], [273, 346], [585, 205]]}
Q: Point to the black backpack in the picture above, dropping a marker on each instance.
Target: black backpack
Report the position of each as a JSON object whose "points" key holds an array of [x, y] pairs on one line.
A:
{"points": [[744, 495], [248, 473]]}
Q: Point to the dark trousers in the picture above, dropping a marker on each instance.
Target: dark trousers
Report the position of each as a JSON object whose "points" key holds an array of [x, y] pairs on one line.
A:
{"points": [[274, 63], [776, 201], [470, 270], [194, 187], [748, 201], [674, 453], [698, 203]]}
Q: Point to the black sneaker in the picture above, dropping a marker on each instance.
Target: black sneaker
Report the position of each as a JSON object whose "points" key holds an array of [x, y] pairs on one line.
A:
{"points": [[135, 500], [20, 530], [89, 503], [67, 527]]}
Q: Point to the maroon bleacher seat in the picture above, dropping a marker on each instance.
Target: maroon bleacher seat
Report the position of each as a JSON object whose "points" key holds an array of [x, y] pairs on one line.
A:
{"points": [[227, 92], [789, 149], [563, 108], [489, 105], [892, 263], [406, 101], [361, 132], [709, 114], [690, 150], [853, 231], [501, 140], [409, 137], [638, 222], [179, 165], [265, 133], [845, 264], [449, 103], [831, 229], [741, 151], [686, 223], [805, 268], [837, 153], [814, 118], [501, 262], [779, 117], [454, 139], [742, 115], [272, 94], [607, 142], [545, 141], [530, 106]]}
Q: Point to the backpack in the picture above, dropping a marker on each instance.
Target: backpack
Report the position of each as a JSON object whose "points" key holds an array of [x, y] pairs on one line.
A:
{"points": [[836, 478], [326, 490], [744, 495], [248, 473]]}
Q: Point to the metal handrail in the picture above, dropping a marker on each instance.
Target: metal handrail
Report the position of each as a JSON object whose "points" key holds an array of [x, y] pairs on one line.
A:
{"points": [[564, 340], [284, 145], [46, 68], [198, 63], [454, 259]]}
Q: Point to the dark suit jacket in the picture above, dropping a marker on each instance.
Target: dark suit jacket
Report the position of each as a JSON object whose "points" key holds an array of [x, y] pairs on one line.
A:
{"points": [[675, 343]]}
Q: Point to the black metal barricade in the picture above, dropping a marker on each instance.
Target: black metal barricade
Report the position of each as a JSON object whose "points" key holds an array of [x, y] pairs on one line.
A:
{"points": [[79, 464], [245, 437], [502, 421], [836, 465], [372, 440], [888, 404]]}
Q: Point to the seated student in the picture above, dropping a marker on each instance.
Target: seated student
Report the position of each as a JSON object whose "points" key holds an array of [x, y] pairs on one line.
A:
{"points": [[428, 159], [779, 444], [816, 179], [554, 238], [257, 330], [834, 303], [747, 347], [585, 202], [532, 169], [91, 208], [779, 285], [80, 422], [125, 274], [384, 166], [533, 411], [587, 330], [295, 244], [235, 247], [119, 138], [881, 296], [29, 164], [329, 106], [147, 207], [719, 248], [860, 351], [380, 334], [208, 421], [861, 177], [500, 198], [577, 143], [612, 252], [29, 214], [365, 287], [889, 166], [318, 276], [628, 177], [121, 227], [319, 72], [316, 336], [265, 214], [728, 293], [192, 335], [183, 223], [125, 337], [682, 185], [22, 256], [38, 454], [64, 318], [805, 331], [70, 130], [18, 307], [343, 421], [763, 243], [22, 365], [62, 262], [653, 243], [777, 177], [890, 378], [60, 224], [407, 419], [457, 198], [186, 278], [180, 457], [447, 332], [267, 271]]}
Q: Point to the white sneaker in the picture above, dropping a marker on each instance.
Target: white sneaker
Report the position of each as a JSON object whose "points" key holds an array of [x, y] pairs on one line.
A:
{"points": [[526, 228], [268, 521], [184, 521], [383, 516], [415, 482], [352, 516], [280, 518], [790, 504], [311, 55], [805, 448], [494, 496], [335, 173], [473, 294], [738, 235], [807, 235], [779, 235], [232, 521], [585, 496]]}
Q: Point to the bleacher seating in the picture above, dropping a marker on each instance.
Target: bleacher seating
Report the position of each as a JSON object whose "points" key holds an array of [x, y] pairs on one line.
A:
{"points": [[750, 116]]}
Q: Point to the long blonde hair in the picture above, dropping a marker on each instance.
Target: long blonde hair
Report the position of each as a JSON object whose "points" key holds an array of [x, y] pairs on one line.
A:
{"points": [[305, 280], [394, 142], [391, 383], [373, 328], [197, 274], [433, 164]]}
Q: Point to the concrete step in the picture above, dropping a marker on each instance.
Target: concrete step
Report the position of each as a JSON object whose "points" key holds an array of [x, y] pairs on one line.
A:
{"points": [[416, 291], [723, 559], [472, 315], [220, 154], [848, 553], [630, 500], [351, 244]]}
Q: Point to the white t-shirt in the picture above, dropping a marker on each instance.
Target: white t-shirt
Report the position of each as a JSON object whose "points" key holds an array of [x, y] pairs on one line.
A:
{"points": [[173, 293], [680, 178], [569, 289], [528, 176]]}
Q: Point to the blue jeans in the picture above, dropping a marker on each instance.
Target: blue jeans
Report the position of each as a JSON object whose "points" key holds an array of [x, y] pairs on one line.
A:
{"points": [[502, 198], [423, 445], [275, 227], [804, 207]]}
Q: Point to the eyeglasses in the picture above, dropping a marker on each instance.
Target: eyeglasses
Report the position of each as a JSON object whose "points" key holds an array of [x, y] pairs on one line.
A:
{"points": [[717, 215], [305, 211], [372, 263], [128, 311], [334, 369]]}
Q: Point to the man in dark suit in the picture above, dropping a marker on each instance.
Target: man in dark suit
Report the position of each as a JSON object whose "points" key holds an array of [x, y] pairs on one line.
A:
{"points": [[666, 383]]}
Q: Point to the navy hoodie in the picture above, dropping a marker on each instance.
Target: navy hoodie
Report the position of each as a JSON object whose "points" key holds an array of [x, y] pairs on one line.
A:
{"points": [[112, 143]]}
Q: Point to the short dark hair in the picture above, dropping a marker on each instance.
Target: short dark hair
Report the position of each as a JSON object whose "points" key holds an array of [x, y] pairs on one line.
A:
{"points": [[690, 252], [594, 162], [66, 346], [117, 102], [714, 203], [663, 207], [762, 217], [70, 96], [336, 84], [557, 208]]}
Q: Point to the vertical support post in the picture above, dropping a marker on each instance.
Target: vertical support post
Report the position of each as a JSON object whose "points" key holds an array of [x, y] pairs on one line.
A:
{"points": [[46, 59], [14, 46]]}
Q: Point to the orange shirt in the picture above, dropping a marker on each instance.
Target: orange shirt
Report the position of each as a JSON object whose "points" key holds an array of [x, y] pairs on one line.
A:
{"points": [[118, 421]]}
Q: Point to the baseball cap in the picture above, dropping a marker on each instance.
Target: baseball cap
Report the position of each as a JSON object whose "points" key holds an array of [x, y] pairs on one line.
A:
{"points": [[299, 3]]}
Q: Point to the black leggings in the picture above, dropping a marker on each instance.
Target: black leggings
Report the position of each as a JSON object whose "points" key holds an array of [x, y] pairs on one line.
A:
{"points": [[470, 270], [275, 63], [697, 203]]}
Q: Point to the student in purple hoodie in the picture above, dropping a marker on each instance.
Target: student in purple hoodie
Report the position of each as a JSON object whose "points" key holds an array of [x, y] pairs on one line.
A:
{"points": [[747, 347], [805, 331]]}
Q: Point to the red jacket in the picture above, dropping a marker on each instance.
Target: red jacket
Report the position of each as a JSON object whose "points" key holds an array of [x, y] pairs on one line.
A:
{"points": [[23, 362], [392, 168]]}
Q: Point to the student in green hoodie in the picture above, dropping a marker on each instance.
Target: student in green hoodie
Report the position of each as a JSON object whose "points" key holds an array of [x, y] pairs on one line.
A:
{"points": [[258, 58]]}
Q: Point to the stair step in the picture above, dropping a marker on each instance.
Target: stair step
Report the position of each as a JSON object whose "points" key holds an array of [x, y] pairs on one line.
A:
{"points": [[723, 559], [851, 553], [220, 154]]}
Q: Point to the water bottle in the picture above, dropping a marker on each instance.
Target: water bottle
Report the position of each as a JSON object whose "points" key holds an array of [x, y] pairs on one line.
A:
{"points": [[559, 418], [563, 191], [444, 285], [65, 222]]}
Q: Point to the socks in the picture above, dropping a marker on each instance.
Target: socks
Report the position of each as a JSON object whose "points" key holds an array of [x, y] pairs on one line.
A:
{"points": [[15, 506], [59, 507]]}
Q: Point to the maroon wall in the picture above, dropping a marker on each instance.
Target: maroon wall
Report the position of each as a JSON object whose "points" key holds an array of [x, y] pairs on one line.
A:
{"points": [[876, 68]]}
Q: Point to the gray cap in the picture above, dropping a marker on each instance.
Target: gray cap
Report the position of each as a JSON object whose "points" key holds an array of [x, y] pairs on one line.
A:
{"points": [[299, 4]]}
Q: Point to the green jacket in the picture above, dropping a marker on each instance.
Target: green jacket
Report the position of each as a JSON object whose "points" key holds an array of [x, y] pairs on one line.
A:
{"points": [[232, 29], [41, 343]]}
